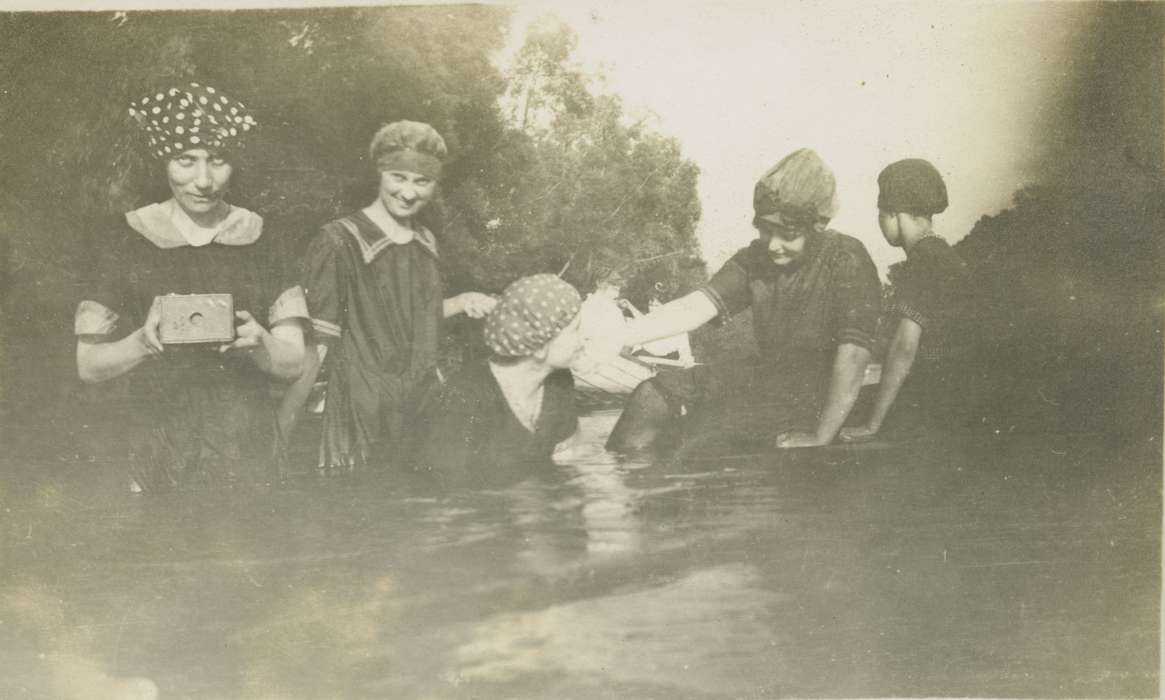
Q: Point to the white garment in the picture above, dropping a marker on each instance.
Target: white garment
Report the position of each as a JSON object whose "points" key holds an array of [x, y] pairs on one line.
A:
{"points": [[600, 326]]}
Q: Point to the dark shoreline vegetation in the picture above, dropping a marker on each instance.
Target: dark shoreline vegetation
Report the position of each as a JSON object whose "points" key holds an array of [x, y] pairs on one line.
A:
{"points": [[548, 174]]}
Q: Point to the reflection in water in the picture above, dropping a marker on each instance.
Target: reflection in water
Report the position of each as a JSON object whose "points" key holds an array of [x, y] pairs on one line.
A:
{"points": [[610, 508], [913, 569]]}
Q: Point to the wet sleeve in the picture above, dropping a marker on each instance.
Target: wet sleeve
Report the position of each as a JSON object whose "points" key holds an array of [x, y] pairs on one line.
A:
{"points": [[857, 297], [564, 413], [729, 289], [105, 299], [324, 282]]}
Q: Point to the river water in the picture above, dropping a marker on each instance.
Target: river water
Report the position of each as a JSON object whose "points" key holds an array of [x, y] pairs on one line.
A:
{"points": [[999, 566]]}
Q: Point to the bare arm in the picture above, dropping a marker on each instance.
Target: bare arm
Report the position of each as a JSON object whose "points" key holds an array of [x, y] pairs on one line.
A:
{"points": [[849, 368], [899, 360], [472, 304], [99, 361], [278, 352], [682, 315], [102, 361]]}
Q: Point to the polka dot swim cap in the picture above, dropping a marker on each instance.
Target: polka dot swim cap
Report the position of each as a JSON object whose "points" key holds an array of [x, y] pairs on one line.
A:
{"points": [[531, 312], [178, 119]]}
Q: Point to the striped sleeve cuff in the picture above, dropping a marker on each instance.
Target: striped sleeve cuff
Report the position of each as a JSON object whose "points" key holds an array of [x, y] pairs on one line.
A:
{"points": [[322, 327], [716, 299], [855, 336], [908, 311], [291, 304]]}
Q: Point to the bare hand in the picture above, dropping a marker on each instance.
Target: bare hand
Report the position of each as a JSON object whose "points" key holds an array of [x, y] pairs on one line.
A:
{"points": [[858, 434], [476, 304], [797, 439], [248, 335], [150, 333]]}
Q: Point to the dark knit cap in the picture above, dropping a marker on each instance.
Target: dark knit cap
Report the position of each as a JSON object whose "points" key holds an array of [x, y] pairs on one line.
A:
{"points": [[912, 186]]}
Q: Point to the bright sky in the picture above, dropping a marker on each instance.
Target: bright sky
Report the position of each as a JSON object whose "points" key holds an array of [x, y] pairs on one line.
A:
{"points": [[741, 84]]}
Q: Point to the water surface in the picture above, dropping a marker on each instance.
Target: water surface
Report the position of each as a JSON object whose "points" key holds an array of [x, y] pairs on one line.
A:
{"points": [[1007, 566]]}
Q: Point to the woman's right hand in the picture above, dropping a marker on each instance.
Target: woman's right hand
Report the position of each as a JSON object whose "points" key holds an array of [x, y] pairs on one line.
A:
{"points": [[150, 332], [477, 305]]}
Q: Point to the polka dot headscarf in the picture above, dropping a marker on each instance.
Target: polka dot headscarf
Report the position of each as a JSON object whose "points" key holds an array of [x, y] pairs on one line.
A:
{"points": [[531, 312], [178, 119]]}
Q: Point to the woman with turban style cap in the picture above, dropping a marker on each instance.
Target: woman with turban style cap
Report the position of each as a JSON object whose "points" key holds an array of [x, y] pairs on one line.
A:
{"points": [[495, 420], [815, 299], [199, 412], [927, 364], [374, 290]]}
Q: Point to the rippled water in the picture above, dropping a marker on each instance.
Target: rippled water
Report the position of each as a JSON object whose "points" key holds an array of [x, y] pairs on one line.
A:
{"points": [[1011, 567]]}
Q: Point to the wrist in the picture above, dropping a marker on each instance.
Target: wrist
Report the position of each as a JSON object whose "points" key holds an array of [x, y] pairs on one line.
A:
{"points": [[142, 344]]}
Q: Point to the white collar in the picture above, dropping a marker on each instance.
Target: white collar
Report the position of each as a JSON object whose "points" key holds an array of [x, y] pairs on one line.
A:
{"points": [[166, 225], [396, 232]]}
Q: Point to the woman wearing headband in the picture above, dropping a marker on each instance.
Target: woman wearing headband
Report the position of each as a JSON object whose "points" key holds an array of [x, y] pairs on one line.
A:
{"points": [[493, 420], [199, 410], [374, 289]]}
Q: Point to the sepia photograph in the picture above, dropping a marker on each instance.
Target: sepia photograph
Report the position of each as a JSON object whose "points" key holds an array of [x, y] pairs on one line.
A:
{"points": [[687, 350]]}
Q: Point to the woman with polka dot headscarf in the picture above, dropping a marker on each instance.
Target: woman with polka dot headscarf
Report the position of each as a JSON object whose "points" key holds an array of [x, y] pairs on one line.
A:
{"points": [[199, 411], [494, 420]]}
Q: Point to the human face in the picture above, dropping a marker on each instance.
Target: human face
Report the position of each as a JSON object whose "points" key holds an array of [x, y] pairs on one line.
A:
{"points": [[198, 181], [891, 231], [786, 244], [405, 193], [565, 347]]}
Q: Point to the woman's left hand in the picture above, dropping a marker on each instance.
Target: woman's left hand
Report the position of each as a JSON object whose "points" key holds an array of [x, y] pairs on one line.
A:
{"points": [[477, 305], [248, 335], [798, 440]]}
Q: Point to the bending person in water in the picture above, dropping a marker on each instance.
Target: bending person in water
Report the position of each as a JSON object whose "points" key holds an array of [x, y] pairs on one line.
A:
{"points": [[815, 298], [494, 421], [928, 294]]}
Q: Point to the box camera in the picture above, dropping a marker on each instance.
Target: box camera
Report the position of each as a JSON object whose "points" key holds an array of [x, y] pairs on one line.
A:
{"points": [[197, 318]]}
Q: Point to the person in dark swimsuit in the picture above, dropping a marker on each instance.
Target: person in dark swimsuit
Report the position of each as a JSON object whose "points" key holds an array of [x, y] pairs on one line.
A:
{"points": [[926, 362], [815, 299], [375, 293], [200, 412], [497, 421]]}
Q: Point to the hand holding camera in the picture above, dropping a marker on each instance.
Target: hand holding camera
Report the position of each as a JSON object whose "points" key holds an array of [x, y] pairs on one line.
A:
{"points": [[248, 334]]}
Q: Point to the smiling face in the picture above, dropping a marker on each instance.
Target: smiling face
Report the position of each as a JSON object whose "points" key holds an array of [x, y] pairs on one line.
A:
{"points": [[405, 193], [198, 181], [785, 244]]}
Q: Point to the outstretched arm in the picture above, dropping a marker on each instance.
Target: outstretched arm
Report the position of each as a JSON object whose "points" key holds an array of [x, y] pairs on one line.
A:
{"points": [[682, 315], [472, 304], [849, 368], [899, 360]]}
